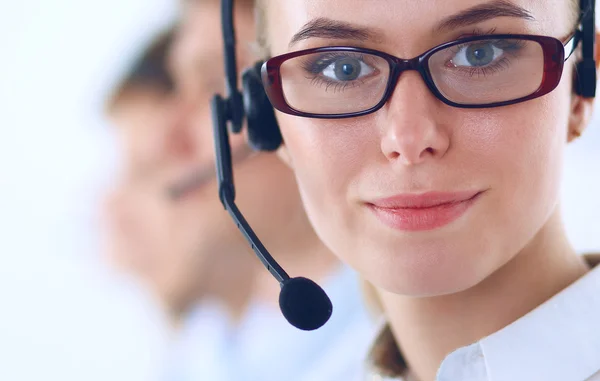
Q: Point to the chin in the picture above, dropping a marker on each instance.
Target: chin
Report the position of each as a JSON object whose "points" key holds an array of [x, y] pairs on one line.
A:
{"points": [[427, 270], [427, 284]]}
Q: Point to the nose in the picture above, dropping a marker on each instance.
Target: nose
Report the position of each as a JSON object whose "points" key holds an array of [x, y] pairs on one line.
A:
{"points": [[179, 132], [413, 130]]}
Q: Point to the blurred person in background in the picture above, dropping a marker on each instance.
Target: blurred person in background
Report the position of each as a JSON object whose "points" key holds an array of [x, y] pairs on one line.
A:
{"points": [[152, 236], [167, 244], [189, 251]]}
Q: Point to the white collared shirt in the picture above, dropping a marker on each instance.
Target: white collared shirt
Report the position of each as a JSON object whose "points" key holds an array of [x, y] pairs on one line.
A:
{"points": [[558, 341]]}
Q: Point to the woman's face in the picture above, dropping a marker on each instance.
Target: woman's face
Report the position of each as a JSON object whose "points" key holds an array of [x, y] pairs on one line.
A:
{"points": [[368, 182]]}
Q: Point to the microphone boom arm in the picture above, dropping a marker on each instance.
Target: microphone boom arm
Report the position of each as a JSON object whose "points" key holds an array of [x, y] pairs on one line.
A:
{"points": [[302, 302], [227, 190]]}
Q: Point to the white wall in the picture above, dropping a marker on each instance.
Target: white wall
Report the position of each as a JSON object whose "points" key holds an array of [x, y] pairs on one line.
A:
{"points": [[581, 189], [62, 316]]}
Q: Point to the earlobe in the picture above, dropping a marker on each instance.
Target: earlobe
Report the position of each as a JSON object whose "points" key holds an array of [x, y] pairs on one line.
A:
{"points": [[581, 113]]}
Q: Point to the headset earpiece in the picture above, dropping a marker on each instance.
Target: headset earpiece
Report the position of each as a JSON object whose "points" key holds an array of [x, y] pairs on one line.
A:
{"points": [[586, 76], [263, 130], [586, 79]]}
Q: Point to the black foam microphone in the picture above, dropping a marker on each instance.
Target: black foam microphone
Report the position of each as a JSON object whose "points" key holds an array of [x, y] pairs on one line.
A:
{"points": [[303, 303]]}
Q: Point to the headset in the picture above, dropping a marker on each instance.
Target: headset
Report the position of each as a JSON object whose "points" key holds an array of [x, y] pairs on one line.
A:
{"points": [[585, 84], [303, 303]]}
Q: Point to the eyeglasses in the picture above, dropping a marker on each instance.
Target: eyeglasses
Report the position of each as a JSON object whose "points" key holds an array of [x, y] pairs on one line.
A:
{"points": [[473, 72]]}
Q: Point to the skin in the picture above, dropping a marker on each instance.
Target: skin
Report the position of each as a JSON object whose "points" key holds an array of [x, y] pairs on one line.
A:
{"points": [[448, 287], [152, 236], [266, 190], [189, 248]]}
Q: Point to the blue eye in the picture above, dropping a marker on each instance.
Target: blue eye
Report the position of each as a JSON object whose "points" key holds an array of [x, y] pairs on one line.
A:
{"points": [[347, 69], [484, 53], [477, 55], [340, 67]]}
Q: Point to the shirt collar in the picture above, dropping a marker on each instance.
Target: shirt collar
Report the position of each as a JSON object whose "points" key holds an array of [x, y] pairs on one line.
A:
{"points": [[557, 341]]}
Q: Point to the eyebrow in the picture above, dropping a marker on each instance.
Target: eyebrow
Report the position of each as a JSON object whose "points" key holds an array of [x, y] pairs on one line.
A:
{"points": [[323, 27], [483, 12]]}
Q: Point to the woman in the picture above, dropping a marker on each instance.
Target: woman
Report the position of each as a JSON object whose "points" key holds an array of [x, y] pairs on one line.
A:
{"points": [[438, 178]]}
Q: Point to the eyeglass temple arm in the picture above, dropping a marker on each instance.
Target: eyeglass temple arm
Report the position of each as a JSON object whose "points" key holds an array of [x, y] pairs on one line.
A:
{"points": [[572, 43]]}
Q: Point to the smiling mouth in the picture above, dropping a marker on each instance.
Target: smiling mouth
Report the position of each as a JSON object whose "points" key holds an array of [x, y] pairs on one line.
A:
{"points": [[423, 212]]}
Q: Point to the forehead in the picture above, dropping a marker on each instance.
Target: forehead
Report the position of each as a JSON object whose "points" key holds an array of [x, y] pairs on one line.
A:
{"points": [[198, 46], [201, 30], [200, 25], [404, 21]]}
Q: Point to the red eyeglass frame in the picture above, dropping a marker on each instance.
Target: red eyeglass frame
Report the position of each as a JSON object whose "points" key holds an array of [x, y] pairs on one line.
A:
{"points": [[554, 51]]}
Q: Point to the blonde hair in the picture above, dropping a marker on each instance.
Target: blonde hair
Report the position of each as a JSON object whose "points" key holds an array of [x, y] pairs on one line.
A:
{"points": [[260, 17]]}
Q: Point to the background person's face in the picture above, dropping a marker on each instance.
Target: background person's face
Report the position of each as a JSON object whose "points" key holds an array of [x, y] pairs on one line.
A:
{"points": [[156, 242], [150, 235], [266, 191], [174, 245], [142, 118], [417, 144]]}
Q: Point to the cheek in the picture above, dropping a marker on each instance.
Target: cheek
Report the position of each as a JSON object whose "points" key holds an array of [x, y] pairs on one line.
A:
{"points": [[143, 145], [328, 158], [201, 139], [526, 151], [516, 152]]}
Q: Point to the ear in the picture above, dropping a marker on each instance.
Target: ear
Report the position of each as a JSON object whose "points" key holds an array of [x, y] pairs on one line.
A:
{"points": [[582, 108], [581, 113]]}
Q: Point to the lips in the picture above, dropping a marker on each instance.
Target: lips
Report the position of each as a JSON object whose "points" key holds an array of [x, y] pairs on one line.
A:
{"points": [[419, 212]]}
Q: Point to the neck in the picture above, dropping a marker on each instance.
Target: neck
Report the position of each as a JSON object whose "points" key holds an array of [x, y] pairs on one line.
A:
{"points": [[233, 295], [234, 290], [428, 329], [227, 279]]}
